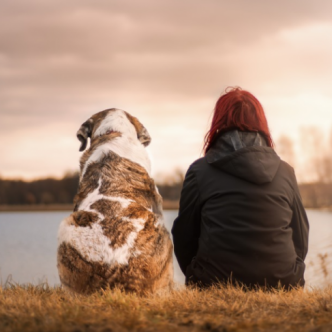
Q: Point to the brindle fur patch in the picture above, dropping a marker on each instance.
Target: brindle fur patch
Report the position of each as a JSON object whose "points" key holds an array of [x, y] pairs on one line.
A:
{"points": [[84, 218], [133, 182], [117, 230], [114, 226], [123, 178], [107, 207], [77, 274]]}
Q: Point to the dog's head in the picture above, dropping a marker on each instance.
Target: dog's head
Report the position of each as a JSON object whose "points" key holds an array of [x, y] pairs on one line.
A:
{"points": [[109, 122]]}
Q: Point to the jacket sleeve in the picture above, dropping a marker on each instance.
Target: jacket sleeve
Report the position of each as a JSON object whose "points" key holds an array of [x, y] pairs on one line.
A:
{"points": [[299, 224], [186, 227]]}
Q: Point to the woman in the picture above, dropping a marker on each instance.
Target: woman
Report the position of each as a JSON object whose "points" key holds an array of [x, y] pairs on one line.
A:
{"points": [[241, 218]]}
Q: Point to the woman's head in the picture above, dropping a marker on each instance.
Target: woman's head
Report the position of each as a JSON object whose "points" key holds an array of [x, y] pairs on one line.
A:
{"points": [[237, 109]]}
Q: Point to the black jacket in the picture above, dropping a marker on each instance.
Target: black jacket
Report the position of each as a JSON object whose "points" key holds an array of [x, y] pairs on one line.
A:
{"points": [[241, 216]]}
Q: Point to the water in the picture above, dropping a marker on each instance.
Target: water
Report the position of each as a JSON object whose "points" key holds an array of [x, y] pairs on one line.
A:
{"points": [[28, 247]]}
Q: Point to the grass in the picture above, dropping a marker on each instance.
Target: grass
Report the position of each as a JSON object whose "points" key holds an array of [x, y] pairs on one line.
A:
{"points": [[225, 308]]}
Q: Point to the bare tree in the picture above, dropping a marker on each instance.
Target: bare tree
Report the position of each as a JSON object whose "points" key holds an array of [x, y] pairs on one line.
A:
{"points": [[312, 149], [317, 154], [285, 149]]}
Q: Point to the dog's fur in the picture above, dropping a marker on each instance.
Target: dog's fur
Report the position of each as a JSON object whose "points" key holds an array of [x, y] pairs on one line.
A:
{"points": [[115, 237]]}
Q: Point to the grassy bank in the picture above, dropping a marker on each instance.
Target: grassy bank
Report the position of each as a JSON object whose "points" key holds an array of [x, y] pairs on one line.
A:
{"points": [[28, 308]]}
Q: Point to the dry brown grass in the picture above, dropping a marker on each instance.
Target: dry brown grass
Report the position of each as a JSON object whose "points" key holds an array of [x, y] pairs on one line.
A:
{"points": [[42, 308]]}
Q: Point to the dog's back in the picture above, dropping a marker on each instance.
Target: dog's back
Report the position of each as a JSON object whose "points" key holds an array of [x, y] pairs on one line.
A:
{"points": [[115, 236]]}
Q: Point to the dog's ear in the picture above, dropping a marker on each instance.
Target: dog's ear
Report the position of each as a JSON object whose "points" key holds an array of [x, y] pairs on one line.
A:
{"points": [[142, 134], [84, 132]]}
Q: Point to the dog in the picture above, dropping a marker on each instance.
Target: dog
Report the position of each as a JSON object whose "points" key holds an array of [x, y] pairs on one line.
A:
{"points": [[115, 236]]}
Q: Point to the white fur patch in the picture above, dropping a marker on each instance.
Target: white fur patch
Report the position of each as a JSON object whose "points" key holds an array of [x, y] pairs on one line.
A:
{"points": [[94, 246], [127, 146], [118, 121], [91, 242], [96, 195]]}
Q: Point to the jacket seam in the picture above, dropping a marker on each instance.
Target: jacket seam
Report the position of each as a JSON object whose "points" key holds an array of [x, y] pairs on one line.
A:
{"points": [[198, 190], [295, 206], [302, 240]]}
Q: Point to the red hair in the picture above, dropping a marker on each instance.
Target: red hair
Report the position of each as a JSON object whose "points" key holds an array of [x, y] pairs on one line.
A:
{"points": [[237, 109]]}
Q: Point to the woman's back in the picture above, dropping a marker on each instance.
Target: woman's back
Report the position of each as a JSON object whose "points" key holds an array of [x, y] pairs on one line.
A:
{"points": [[241, 216], [246, 197]]}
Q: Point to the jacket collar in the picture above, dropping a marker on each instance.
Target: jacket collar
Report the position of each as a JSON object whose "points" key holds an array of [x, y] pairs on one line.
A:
{"points": [[232, 141]]}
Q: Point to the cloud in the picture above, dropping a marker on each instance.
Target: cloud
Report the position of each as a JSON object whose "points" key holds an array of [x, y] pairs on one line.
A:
{"points": [[164, 61]]}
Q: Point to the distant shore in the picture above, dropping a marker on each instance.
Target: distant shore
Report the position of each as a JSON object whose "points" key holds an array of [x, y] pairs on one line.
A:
{"points": [[167, 205]]}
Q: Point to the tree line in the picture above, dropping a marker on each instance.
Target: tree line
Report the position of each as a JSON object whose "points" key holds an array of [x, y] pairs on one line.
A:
{"points": [[312, 159], [43, 191], [62, 191]]}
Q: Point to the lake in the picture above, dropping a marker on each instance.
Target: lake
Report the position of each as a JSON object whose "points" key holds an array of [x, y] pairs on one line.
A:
{"points": [[28, 242]]}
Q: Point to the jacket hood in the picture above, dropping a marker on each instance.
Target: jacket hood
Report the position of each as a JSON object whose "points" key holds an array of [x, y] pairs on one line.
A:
{"points": [[244, 155]]}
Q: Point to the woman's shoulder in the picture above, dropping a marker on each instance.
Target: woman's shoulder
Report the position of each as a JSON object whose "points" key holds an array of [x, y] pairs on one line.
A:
{"points": [[287, 168], [198, 164], [199, 169], [287, 172]]}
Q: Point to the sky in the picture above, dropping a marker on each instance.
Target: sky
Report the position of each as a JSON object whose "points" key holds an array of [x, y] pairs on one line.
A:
{"points": [[165, 62]]}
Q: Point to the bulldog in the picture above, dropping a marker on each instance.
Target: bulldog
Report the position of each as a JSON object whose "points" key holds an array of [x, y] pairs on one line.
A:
{"points": [[115, 236]]}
